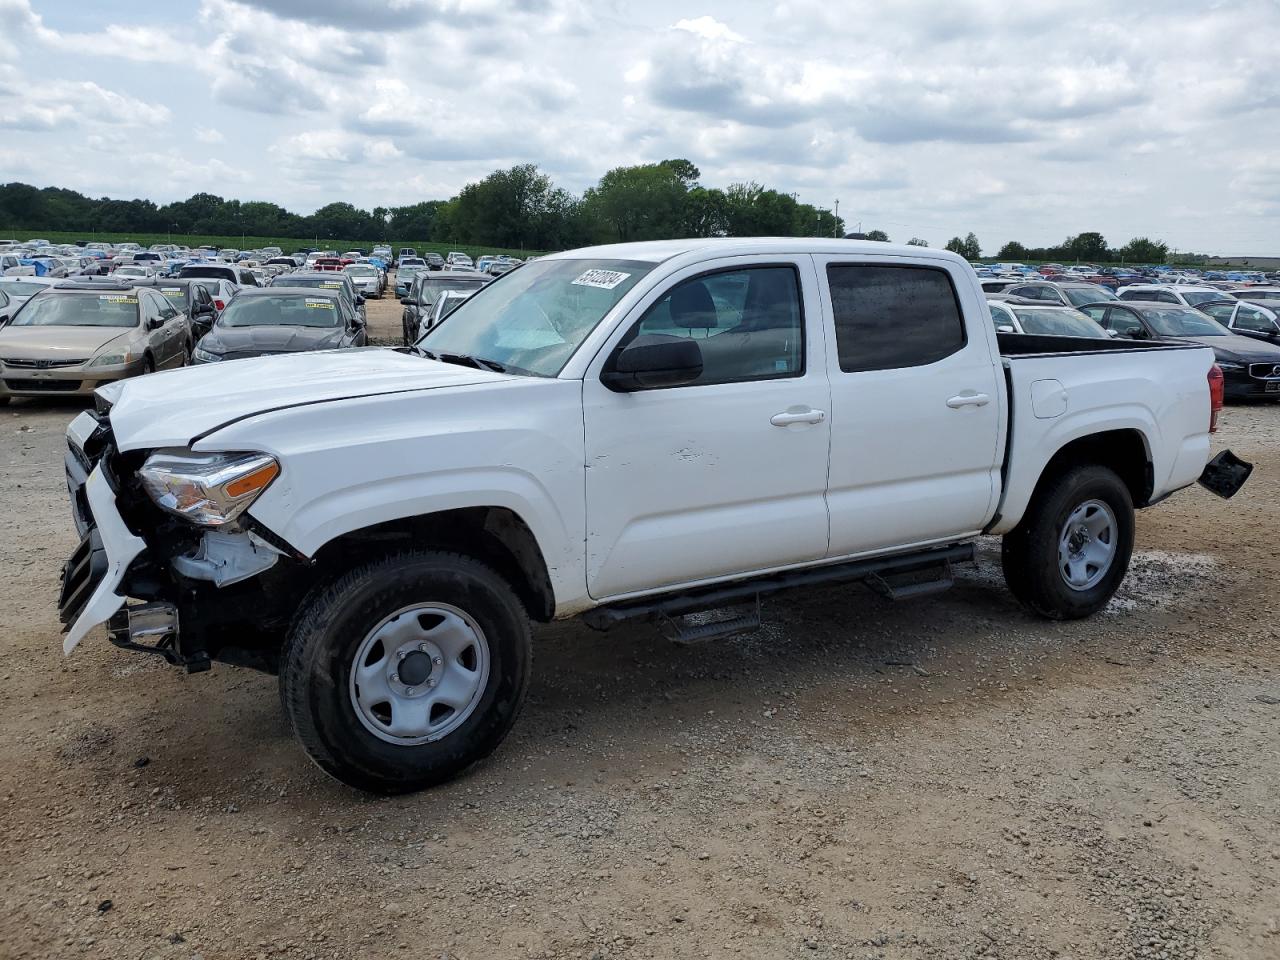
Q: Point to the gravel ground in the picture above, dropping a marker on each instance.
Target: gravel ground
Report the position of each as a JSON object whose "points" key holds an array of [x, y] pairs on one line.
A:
{"points": [[948, 778]]}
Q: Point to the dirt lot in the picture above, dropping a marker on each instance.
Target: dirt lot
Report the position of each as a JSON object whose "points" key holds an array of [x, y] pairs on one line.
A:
{"points": [[944, 779]]}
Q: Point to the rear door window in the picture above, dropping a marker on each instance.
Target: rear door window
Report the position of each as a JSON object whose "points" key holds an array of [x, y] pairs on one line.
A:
{"points": [[888, 317]]}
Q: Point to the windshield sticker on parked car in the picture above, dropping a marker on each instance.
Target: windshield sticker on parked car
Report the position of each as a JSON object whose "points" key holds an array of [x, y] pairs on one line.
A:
{"points": [[110, 299], [604, 279], [320, 304], [332, 286], [173, 293]]}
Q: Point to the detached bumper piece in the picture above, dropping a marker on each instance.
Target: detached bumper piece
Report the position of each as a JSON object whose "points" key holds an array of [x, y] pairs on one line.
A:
{"points": [[1225, 474], [81, 575]]}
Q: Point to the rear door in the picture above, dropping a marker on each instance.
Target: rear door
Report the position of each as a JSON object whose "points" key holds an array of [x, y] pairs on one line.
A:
{"points": [[916, 404], [727, 475]]}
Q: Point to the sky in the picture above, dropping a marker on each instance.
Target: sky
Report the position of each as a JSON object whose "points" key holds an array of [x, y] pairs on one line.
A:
{"points": [[924, 118]]}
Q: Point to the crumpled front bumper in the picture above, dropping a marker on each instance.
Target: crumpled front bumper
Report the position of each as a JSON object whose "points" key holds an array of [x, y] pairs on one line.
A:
{"points": [[94, 572]]}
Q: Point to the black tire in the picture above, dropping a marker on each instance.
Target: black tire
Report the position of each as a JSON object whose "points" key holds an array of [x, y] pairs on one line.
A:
{"points": [[148, 364], [315, 669], [4, 401], [1029, 554]]}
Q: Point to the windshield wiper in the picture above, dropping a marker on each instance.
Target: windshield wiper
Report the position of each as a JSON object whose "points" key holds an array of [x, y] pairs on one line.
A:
{"points": [[467, 360]]}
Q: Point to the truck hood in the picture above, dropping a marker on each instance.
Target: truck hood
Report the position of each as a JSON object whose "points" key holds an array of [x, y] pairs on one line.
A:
{"points": [[172, 408]]}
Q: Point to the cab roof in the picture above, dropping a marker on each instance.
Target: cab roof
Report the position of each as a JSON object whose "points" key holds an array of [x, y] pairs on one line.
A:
{"points": [[657, 251]]}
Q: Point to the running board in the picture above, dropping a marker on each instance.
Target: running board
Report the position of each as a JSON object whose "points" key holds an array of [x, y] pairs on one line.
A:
{"points": [[907, 586], [686, 632], [719, 595]]}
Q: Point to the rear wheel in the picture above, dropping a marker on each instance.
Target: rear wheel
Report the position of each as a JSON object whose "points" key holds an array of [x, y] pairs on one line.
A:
{"points": [[148, 364], [1069, 554], [406, 670]]}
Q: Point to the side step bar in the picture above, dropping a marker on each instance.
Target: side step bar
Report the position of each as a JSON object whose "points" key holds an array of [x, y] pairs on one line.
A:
{"points": [[888, 570]]}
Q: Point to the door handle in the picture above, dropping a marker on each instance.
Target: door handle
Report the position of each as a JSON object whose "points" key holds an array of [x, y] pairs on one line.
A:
{"points": [[797, 416], [968, 400]]}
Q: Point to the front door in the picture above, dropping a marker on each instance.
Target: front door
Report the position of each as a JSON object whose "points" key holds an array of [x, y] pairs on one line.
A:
{"points": [[727, 475]]}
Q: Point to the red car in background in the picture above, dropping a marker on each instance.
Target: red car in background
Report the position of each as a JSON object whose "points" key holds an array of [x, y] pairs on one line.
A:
{"points": [[330, 264]]}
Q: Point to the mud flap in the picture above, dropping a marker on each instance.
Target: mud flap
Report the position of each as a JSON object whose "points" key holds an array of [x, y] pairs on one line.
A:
{"points": [[1225, 474]]}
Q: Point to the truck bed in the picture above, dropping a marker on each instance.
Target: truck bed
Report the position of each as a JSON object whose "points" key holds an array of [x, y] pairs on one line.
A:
{"points": [[1061, 389], [1030, 344]]}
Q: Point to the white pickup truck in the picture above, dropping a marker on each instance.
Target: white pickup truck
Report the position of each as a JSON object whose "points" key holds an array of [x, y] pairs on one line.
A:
{"points": [[639, 430]]}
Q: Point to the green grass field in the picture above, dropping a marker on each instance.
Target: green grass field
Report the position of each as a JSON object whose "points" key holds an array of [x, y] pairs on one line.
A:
{"points": [[287, 244]]}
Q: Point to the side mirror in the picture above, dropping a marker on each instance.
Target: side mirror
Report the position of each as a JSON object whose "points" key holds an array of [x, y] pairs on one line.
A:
{"points": [[155, 323], [359, 299], [406, 301], [651, 361], [1138, 334], [1005, 328]]}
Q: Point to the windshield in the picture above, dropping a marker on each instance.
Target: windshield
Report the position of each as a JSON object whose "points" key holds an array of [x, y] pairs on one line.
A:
{"points": [[1057, 323], [322, 283], [100, 310], [175, 295], [17, 288], [205, 271], [1184, 323], [1079, 296], [1200, 296], [535, 318], [360, 270], [280, 311], [433, 286]]}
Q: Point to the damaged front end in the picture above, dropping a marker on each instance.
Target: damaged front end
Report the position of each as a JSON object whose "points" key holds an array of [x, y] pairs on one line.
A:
{"points": [[169, 560]]}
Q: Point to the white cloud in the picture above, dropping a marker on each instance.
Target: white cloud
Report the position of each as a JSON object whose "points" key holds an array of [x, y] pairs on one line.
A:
{"points": [[1026, 121]]}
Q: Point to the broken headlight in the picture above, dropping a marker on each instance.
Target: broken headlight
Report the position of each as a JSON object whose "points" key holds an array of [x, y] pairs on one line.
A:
{"points": [[209, 489]]}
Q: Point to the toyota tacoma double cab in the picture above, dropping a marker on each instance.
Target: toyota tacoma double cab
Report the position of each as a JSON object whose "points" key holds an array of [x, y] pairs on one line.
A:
{"points": [[630, 431]]}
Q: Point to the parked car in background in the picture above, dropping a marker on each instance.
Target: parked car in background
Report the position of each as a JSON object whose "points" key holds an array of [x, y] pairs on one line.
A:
{"points": [[72, 338], [21, 289], [405, 252], [138, 270], [405, 274], [424, 291], [434, 261], [1249, 319], [220, 291], [1187, 296], [1259, 294], [240, 276], [280, 319], [1250, 367], [191, 297], [500, 267], [446, 303], [367, 278], [1066, 294], [457, 260], [339, 282], [1046, 320]]}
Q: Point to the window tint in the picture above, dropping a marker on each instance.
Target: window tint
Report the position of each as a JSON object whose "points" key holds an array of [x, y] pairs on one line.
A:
{"points": [[1122, 321], [748, 323], [1219, 311], [1251, 318], [1095, 312], [889, 317]]}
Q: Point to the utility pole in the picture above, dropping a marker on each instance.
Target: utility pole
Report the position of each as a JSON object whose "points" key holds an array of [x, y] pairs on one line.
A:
{"points": [[835, 221]]}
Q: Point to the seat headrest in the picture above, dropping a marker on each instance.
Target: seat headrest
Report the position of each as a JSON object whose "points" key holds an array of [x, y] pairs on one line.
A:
{"points": [[692, 307]]}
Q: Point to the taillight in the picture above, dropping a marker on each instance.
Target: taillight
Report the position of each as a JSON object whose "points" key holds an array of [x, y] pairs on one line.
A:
{"points": [[1216, 391], [222, 303]]}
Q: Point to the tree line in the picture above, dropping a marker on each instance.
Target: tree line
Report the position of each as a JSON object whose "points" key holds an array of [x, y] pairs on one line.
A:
{"points": [[1090, 247], [511, 208]]}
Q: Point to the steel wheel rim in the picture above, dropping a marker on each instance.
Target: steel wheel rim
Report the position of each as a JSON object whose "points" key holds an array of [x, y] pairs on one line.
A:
{"points": [[419, 674], [1087, 545]]}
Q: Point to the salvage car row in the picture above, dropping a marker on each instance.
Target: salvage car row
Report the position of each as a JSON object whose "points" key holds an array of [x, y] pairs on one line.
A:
{"points": [[92, 329]]}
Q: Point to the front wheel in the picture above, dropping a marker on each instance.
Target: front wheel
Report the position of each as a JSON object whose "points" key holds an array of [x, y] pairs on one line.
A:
{"points": [[406, 670], [1069, 554]]}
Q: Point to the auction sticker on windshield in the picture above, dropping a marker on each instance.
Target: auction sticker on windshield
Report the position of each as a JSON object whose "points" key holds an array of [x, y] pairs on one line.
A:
{"points": [[320, 304], [110, 299], [604, 279], [173, 293]]}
